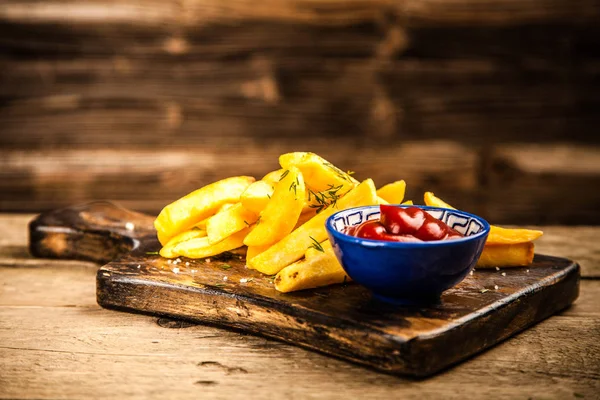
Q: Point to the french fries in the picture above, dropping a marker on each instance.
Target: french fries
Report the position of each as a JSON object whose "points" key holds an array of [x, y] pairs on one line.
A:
{"points": [[319, 267], [319, 174], [256, 196], [505, 255], [504, 247], [281, 212], [201, 247], [168, 250], [189, 210], [229, 221], [292, 247], [281, 219], [393, 193]]}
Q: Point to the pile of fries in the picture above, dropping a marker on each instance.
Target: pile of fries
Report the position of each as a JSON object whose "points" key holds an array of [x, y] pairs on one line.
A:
{"points": [[281, 220]]}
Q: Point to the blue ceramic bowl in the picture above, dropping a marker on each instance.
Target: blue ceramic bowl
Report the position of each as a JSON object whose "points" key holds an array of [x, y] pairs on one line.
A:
{"points": [[404, 272]]}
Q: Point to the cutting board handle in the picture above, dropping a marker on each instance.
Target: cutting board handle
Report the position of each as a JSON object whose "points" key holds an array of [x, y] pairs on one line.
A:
{"points": [[99, 231]]}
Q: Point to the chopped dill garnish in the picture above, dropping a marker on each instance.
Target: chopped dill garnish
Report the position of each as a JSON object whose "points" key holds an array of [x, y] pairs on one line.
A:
{"points": [[284, 174], [246, 222], [484, 290], [316, 245], [152, 252], [225, 266], [219, 284]]}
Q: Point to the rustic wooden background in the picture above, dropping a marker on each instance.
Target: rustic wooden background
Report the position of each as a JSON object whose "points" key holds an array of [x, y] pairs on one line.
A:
{"points": [[494, 105]]}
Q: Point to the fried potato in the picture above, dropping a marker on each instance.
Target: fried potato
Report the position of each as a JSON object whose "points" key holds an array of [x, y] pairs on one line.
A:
{"points": [[202, 224], [256, 196], [408, 203], [273, 177], [189, 210], [253, 251], [319, 174], [506, 255], [293, 246], [227, 222], [393, 193], [500, 235], [497, 234], [168, 250], [201, 247], [319, 268], [281, 212]]}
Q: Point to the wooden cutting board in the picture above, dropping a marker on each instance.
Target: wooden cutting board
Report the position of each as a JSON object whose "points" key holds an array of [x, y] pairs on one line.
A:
{"points": [[341, 320]]}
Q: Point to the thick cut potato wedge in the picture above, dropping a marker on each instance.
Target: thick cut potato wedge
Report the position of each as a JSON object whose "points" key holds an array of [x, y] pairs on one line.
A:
{"points": [[319, 174], [292, 247], [273, 177], [497, 234], [202, 224], [253, 251], [506, 255], [319, 268], [393, 193], [500, 235], [256, 196], [201, 247], [281, 212], [189, 210], [227, 222], [168, 250]]}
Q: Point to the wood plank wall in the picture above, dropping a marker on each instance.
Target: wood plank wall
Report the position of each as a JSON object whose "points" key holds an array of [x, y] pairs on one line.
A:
{"points": [[494, 105]]}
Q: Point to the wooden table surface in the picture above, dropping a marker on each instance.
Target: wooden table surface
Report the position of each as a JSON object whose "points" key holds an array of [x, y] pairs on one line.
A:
{"points": [[56, 342]]}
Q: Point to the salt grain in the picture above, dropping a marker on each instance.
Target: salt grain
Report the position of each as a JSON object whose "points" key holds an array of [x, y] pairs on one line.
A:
{"points": [[471, 273], [504, 274], [497, 269], [169, 261], [224, 278], [527, 271], [139, 266], [129, 226], [243, 280], [496, 287], [187, 263], [176, 270], [194, 271], [207, 260]]}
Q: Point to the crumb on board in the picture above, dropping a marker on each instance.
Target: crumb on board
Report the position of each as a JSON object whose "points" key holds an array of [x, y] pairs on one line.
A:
{"points": [[496, 287], [176, 270], [129, 226], [504, 274], [497, 268]]}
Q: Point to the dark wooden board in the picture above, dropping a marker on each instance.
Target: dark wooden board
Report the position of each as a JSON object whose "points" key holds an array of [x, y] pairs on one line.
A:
{"points": [[342, 320]]}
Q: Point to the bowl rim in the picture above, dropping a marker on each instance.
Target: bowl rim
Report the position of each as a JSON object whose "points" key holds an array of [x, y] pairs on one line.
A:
{"points": [[405, 245]]}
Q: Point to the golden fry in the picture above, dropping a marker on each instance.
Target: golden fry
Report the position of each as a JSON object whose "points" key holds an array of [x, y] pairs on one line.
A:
{"points": [[319, 268], [201, 247], [168, 250], [282, 211], [393, 193], [319, 174], [497, 234], [189, 210], [293, 246], [256, 196], [227, 222], [506, 255]]}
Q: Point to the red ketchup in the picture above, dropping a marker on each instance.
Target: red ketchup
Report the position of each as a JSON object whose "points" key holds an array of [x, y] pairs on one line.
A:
{"points": [[410, 224]]}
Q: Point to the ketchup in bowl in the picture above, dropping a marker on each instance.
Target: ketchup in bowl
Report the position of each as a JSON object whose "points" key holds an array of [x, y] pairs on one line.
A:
{"points": [[398, 224]]}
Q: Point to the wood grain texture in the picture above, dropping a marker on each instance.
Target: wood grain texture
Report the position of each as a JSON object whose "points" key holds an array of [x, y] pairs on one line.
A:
{"points": [[48, 328], [340, 320]]}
